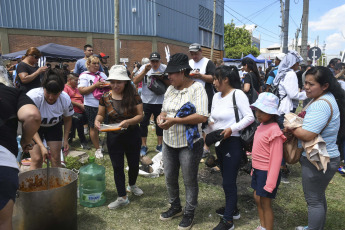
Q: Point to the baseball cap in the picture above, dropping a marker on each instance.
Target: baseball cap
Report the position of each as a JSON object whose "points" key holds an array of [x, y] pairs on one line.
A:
{"points": [[155, 56], [102, 55], [195, 47]]}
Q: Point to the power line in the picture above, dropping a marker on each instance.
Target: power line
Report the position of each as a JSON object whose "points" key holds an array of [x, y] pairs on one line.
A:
{"points": [[262, 10], [250, 20]]}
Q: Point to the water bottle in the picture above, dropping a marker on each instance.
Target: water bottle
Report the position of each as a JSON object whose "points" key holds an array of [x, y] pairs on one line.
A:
{"points": [[92, 184], [19, 156]]}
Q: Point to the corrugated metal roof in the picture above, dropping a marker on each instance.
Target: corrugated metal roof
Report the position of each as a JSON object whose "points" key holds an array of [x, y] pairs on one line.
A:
{"points": [[178, 20]]}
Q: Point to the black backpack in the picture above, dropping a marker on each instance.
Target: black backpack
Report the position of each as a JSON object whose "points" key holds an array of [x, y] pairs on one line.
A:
{"points": [[275, 90]]}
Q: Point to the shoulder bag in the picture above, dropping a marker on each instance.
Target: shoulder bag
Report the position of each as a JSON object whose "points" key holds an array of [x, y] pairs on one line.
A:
{"points": [[247, 134], [252, 94], [156, 85]]}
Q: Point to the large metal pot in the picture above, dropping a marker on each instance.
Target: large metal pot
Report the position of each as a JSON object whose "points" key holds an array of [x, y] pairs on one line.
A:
{"points": [[51, 209]]}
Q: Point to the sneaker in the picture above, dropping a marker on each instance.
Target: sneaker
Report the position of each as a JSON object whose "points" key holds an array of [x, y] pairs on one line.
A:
{"points": [[301, 228], [171, 213], [98, 153], [186, 222], [235, 215], [225, 225], [205, 153], [284, 176], [341, 170], [143, 150], [85, 145], [159, 148], [119, 202], [135, 190]]}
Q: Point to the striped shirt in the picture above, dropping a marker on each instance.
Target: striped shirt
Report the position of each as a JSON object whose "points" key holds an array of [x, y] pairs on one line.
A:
{"points": [[174, 99], [316, 118]]}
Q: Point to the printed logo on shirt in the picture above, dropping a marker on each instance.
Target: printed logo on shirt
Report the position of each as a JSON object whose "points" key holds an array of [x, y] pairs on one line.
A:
{"points": [[228, 155], [70, 108], [52, 121]]}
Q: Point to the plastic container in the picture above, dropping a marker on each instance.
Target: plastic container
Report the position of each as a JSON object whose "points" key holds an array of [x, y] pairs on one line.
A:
{"points": [[92, 184]]}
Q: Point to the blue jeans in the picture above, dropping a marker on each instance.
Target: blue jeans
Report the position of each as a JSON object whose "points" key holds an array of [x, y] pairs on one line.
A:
{"points": [[188, 160], [229, 154]]}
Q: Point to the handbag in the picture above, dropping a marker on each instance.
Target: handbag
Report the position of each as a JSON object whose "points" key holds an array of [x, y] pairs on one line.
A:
{"points": [[156, 85], [246, 134], [98, 92], [291, 152], [252, 94]]}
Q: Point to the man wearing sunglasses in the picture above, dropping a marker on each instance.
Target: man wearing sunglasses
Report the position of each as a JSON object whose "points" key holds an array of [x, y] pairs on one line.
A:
{"points": [[28, 72]]}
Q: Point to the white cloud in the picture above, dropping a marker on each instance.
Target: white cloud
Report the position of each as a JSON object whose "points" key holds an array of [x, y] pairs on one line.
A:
{"points": [[331, 20], [335, 42]]}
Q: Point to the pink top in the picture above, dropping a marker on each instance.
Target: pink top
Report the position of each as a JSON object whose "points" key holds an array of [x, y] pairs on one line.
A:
{"points": [[267, 153], [75, 96]]}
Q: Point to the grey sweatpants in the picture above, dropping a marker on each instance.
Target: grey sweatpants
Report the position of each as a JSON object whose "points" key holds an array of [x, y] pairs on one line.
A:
{"points": [[314, 184]]}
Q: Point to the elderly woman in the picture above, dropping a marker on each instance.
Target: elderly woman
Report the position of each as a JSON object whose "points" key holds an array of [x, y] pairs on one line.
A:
{"points": [[178, 148], [89, 82], [289, 93], [56, 110], [320, 84], [28, 72]]}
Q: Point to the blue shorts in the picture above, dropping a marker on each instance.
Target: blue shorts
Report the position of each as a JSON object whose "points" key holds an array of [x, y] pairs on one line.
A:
{"points": [[9, 185], [259, 178]]}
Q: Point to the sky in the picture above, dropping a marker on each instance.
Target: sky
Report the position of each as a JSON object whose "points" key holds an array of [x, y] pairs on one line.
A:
{"points": [[326, 20]]}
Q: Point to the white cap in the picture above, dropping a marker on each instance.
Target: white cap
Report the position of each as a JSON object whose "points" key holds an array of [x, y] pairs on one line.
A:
{"points": [[280, 56], [118, 72]]}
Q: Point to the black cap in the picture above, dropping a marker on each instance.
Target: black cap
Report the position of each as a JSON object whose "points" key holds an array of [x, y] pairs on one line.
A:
{"points": [[177, 63], [155, 56]]}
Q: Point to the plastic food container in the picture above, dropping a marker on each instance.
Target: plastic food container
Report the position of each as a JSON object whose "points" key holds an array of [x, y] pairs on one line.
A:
{"points": [[111, 128]]}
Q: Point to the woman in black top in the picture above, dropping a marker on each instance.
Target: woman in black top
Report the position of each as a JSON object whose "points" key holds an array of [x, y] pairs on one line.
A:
{"points": [[28, 73], [252, 75]]}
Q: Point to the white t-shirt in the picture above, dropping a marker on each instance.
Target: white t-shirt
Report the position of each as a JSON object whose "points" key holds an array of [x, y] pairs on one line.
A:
{"points": [[7, 158], [201, 65], [51, 114], [223, 113], [86, 79]]}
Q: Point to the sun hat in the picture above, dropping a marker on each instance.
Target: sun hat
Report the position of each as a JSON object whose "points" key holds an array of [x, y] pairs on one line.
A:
{"points": [[195, 47], [280, 56], [177, 63], [118, 72], [267, 102], [155, 56]]}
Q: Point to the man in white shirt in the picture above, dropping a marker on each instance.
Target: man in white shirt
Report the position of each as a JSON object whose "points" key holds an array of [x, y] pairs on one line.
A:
{"points": [[203, 70]]}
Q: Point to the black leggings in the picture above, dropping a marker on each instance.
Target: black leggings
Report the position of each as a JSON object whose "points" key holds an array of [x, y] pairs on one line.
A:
{"points": [[119, 144], [78, 121], [150, 109]]}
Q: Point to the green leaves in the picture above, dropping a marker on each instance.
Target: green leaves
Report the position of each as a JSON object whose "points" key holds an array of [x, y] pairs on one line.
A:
{"points": [[238, 41]]}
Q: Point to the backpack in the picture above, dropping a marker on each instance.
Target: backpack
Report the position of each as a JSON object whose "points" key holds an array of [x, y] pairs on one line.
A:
{"points": [[275, 90]]}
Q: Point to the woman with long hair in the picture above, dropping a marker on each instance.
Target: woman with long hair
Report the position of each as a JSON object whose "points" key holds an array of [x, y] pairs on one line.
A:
{"points": [[28, 72], [122, 105], [324, 116], [229, 152], [252, 75]]}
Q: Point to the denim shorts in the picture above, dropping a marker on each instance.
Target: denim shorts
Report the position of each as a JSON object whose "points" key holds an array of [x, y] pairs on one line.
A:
{"points": [[9, 185], [259, 178]]}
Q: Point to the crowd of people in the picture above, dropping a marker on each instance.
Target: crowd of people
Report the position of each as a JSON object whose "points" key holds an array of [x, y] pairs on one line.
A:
{"points": [[191, 101]]}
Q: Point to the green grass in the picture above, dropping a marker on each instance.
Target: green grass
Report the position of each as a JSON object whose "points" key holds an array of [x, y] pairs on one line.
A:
{"points": [[143, 212]]}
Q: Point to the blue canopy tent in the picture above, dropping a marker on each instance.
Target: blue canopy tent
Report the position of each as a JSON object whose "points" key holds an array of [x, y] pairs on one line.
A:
{"points": [[52, 52], [258, 60]]}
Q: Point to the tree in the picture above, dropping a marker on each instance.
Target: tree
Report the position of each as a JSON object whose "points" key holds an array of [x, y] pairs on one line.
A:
{"points": [[238, 41]]}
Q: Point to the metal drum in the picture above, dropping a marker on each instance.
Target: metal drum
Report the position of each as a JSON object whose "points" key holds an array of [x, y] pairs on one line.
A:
{"points": [[51, 209]]}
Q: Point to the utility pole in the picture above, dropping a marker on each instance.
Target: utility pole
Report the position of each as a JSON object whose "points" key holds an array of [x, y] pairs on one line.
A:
{"points": [[296, 35], [286, 26], [282, 25], [116, 32], [304, 51], [213, 29]]}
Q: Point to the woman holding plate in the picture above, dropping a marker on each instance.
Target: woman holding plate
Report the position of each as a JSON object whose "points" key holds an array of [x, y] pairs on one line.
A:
{"points": [[123, 106]]}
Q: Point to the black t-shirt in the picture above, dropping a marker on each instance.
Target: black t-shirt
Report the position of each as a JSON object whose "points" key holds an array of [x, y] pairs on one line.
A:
{"points": [[299, 77], [25, 68], [11, 100], [256, 83], [210, 70]]}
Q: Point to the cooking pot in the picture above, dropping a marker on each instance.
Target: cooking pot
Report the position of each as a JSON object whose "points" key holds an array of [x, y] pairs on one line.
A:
{"points": [[51, 209]]}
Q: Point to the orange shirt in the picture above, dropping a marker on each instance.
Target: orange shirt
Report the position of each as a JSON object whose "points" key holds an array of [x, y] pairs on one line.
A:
{"points": [[75, 96]]}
